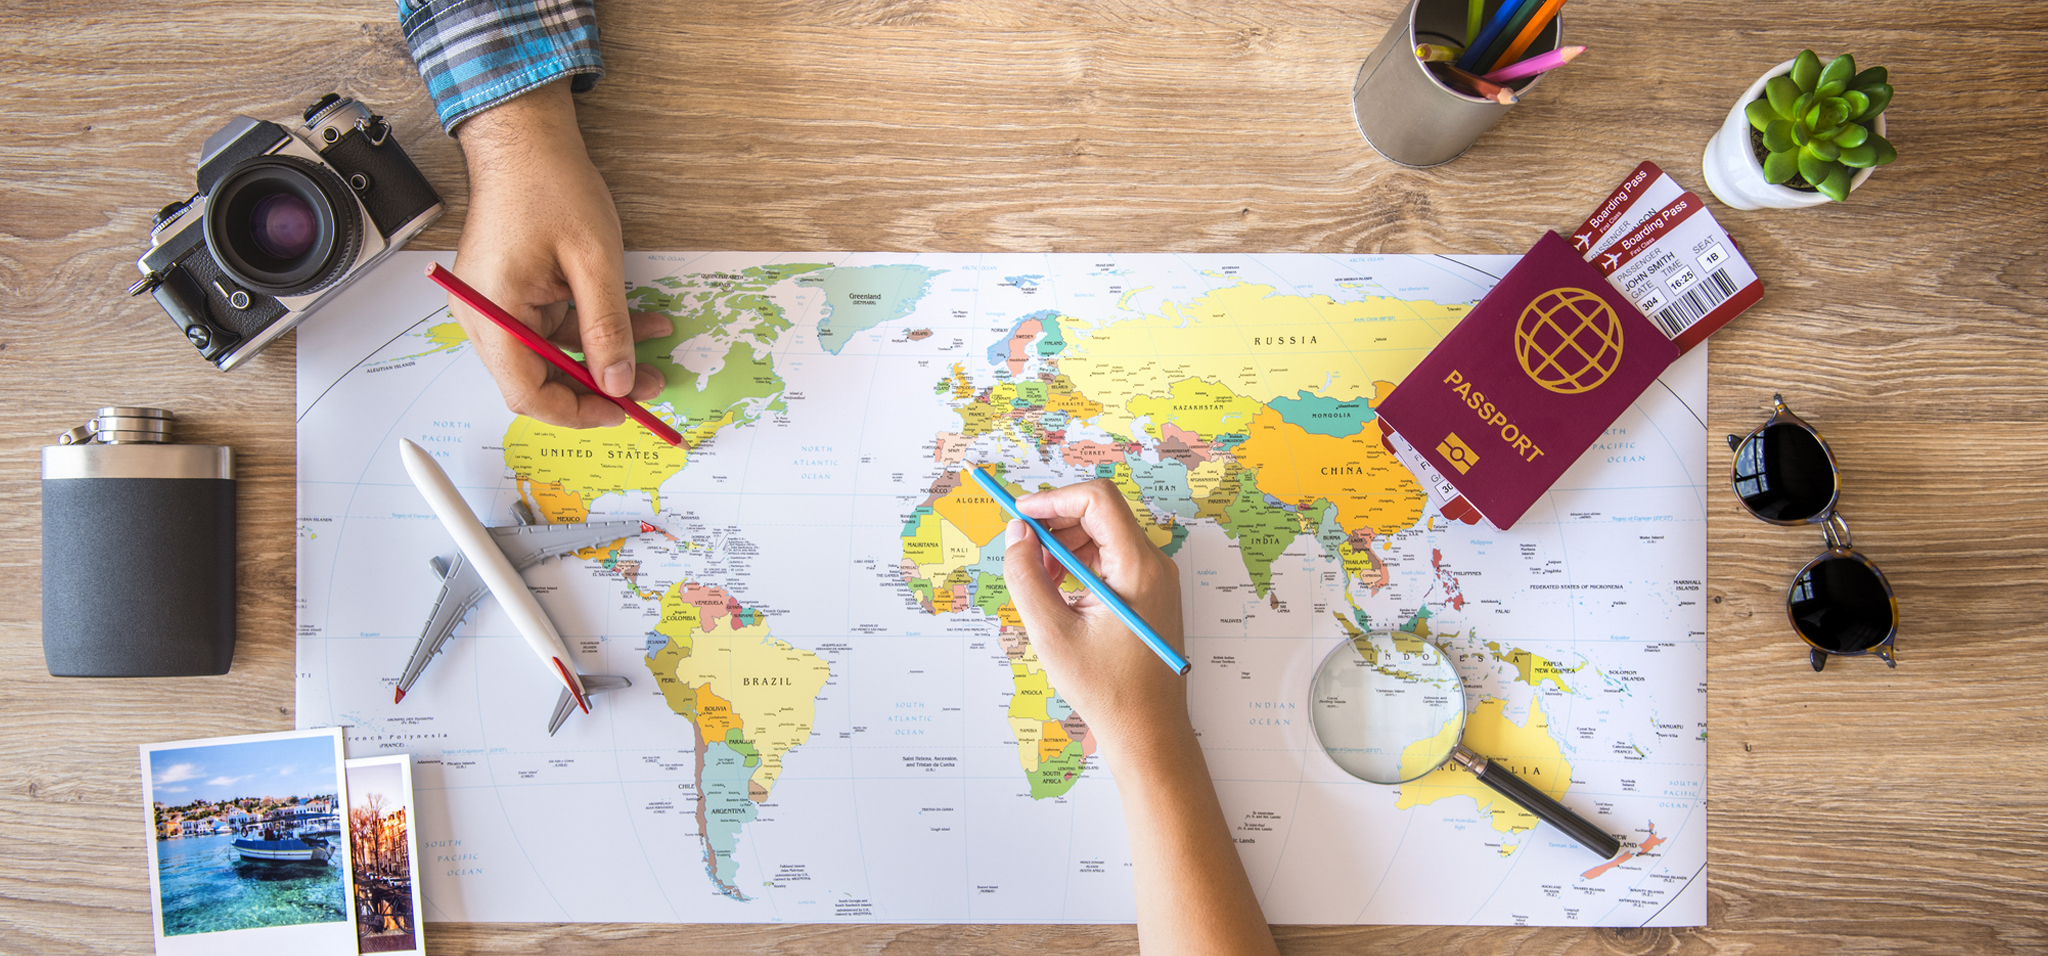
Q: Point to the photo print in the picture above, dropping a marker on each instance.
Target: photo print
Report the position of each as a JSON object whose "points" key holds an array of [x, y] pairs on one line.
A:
{"points": [[384, 855], [247, 852]]}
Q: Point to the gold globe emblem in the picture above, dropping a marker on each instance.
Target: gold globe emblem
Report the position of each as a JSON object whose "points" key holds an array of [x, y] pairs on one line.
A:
{"points": [[1568, 340]]}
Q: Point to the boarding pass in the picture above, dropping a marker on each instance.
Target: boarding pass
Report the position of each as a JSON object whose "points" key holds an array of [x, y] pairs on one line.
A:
{"points": [[1646, 190], [1682, 270]]}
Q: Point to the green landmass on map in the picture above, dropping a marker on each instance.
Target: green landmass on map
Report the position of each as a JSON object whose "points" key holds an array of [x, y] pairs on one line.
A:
{"points": [[720, 372]]}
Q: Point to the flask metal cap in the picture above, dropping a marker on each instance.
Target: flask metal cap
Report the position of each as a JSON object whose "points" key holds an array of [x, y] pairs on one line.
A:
{"points": [[122, 424], [131, 441]]}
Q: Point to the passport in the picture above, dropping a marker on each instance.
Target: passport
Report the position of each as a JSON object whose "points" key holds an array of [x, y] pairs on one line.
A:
{"points": [[1526, 382]]}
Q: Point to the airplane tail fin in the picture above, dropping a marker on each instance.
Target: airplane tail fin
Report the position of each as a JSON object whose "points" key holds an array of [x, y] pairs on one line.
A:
{"points": [[593, 684]]}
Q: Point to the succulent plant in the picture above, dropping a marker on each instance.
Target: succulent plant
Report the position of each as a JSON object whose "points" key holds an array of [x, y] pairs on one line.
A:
{"points": [[1817, 123]]}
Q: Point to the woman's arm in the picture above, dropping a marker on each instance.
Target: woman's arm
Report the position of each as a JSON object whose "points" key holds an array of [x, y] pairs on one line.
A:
{"points": [[1193, 895]]}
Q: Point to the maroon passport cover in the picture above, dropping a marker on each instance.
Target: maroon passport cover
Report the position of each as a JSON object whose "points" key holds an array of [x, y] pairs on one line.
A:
{"points": [[1527, 381]]}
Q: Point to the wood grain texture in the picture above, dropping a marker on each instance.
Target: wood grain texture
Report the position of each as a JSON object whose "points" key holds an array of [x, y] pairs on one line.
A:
{"points": [[1860, 810]]}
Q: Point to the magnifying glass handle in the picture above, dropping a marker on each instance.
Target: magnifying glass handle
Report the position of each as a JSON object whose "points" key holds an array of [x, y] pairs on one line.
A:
{"points": [[1537, 802]]}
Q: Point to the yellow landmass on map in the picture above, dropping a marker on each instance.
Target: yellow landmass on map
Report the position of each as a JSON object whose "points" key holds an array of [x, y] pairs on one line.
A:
{"points": [[1527, 750], [445, 336], [1425, 755], [1368, 485], [1039, 737], [1533, 669], [734, 676], [592, 461], [1205, 408], [1257, 342], [1159, 533], [939, 547], [973, 512]]}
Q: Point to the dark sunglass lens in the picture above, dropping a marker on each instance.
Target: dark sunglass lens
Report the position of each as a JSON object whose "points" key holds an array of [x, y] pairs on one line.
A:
{"points": [[1841, 605], [1783, 474]]}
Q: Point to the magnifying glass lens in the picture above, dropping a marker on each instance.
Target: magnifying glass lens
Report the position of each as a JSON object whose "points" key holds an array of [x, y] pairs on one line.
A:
{"points": [[1387, 708]]}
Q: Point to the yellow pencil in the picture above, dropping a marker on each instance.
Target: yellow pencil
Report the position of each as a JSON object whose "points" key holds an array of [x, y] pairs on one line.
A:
{"points": [[1544, 15], [1437, 52]]}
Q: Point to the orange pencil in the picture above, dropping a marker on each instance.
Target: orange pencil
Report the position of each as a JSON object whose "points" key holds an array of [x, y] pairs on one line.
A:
{"points": [[1544, 15]]}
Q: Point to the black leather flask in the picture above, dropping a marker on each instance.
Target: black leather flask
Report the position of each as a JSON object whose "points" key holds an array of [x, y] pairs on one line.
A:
{"points": [[138, 550]]}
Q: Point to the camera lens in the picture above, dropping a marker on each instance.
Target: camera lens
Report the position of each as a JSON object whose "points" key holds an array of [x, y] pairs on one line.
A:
{"points": [[283, 226]]}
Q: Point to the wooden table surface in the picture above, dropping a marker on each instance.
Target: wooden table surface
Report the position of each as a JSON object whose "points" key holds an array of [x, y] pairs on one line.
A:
{"points": [[1857, 810]]}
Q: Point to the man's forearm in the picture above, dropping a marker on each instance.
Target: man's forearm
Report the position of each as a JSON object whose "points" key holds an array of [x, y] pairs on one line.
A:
{"points": [[537, 128]]}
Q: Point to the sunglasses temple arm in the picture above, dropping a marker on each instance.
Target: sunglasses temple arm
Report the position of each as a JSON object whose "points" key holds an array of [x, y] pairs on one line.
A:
{"points": [[1539, 803]]}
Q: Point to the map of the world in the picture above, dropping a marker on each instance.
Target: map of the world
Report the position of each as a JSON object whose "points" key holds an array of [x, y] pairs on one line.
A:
{"points": [[835, 712]]}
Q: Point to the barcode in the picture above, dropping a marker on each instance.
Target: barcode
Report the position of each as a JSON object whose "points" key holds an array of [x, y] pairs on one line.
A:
{"points": [[1694, 306]]}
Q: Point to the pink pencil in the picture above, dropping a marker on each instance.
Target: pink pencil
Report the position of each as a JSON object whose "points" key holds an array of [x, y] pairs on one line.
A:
{"points": [[1536, 64]]}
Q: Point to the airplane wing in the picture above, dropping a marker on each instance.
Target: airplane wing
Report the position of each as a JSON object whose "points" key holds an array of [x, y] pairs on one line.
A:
{"points": [[592, 684], [529, 544], [461, 589], [525, 545]]}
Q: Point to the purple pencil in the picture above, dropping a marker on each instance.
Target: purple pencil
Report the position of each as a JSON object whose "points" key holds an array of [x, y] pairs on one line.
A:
{"points": [[1536, 64]]}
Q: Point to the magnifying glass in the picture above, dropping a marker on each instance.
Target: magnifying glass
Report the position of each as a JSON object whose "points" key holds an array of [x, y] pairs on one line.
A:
{"points": [[1389, 707]]}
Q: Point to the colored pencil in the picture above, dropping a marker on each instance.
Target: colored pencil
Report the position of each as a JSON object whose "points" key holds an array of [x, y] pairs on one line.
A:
{"points": [[1539, 63], [1475, 11], [1528, 35], [1523, 14], [547, 350], [1081, 573], [1474, 85], [1437, 53], [1501, 18]]}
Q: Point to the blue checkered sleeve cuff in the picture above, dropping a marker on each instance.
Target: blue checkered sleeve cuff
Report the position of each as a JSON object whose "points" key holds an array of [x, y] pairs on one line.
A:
{"points": [[475, 54]]}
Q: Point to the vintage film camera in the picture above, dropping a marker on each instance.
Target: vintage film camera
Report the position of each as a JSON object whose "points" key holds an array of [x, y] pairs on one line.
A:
{"points": [[284, 219]]}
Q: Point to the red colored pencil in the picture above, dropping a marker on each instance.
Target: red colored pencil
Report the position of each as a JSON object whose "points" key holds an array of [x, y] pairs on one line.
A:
{"points": [[1477, 86], [1536, 64], [547, 350]]}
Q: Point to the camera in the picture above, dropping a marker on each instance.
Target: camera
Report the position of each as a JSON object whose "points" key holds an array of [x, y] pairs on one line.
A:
{"points": [[284, 219]]}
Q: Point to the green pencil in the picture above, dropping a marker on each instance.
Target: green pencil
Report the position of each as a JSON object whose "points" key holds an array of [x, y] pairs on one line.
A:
{"points": [[1474, 12], [1506, 36]]}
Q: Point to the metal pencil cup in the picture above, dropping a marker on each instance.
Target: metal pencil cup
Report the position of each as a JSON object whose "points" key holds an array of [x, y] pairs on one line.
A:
{"points": [[1405, 112]]}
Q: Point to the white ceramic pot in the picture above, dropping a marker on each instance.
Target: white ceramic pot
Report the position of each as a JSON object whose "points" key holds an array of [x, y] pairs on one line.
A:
{"points": [[1733, 172]]}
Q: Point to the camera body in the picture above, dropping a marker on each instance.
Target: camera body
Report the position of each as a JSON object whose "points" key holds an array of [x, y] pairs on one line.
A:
{"points": [[284, 219]]}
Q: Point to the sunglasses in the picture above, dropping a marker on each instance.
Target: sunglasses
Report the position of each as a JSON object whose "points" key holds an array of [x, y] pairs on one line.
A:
{"points": [[1840, 603]]}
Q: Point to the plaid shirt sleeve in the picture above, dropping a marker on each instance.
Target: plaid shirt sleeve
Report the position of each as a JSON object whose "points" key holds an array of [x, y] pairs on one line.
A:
{"points": [[475, 54]]}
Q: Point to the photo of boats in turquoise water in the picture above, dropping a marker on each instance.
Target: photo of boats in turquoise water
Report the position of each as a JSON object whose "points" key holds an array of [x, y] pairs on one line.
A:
{"points": [[248, 834], [208, 887]]}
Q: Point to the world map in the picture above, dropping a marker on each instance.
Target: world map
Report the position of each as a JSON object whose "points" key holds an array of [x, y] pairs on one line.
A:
{"points": [[836, 712]]}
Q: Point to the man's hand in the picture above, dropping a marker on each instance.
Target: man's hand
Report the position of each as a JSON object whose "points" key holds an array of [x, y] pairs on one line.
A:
{"points": [[542, 231]]}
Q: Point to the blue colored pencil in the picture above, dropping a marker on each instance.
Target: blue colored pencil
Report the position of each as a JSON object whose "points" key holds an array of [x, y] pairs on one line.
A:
{"points": [[1087, 578], [1501, 18]]}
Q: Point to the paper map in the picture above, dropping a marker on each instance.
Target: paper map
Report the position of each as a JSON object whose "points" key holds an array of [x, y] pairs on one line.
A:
{"points": [[835, 713]]}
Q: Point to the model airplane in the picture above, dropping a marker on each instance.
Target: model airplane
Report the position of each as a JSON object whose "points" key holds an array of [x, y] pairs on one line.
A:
{"points": [[489, 561]]}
